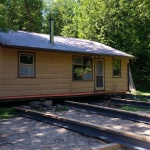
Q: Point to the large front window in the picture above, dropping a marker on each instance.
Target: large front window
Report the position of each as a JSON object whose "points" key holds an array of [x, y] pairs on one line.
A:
{"points": [[82, 68], [26, 65]]}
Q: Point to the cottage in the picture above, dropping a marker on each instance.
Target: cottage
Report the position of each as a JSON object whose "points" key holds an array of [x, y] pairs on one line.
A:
{"points": [[32, 66]]}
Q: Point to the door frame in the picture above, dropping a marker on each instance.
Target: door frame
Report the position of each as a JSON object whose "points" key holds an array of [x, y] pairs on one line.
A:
{"points": [[101, 88]]}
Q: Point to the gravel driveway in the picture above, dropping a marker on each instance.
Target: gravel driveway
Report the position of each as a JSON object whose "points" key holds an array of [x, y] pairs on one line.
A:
{"points": [[106, 121], [26, 134]]}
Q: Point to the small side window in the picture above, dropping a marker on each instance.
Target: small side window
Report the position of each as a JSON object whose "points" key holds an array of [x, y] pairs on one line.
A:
{"points": [[116, 68], [26, 65]]}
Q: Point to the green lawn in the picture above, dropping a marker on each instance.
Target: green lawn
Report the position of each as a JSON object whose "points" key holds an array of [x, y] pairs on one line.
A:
{"points": [[141, 95], [144, 93], [133, 108], [6, 113]]}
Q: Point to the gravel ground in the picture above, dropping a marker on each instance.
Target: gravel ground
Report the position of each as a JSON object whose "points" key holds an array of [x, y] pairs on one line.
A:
{"points": [[106, 121], [27, 134], [118, 106]]}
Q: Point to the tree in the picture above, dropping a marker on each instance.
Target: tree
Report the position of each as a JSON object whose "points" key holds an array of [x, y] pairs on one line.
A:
{"points": [[21, 15], [122, 24], [4, 15], [62, 11]]}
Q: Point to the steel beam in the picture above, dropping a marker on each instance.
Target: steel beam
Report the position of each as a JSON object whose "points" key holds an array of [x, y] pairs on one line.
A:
{"points": [[130, 102], [111, 112], [129, 139]]}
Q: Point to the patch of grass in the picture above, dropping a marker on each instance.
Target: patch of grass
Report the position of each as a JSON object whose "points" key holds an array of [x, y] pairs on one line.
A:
{"points": [[141, 96], [133, 108], [62, 108], [6, 113], [143, 93]]}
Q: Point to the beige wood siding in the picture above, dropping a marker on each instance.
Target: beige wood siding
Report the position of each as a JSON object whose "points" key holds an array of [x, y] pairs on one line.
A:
{"points": [[0, 65], [116, 83], [53, 75]]}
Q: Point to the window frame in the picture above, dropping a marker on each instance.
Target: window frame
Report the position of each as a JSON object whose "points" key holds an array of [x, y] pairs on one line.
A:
{"points": [[33, 64], [83, 77], [116, 76]]}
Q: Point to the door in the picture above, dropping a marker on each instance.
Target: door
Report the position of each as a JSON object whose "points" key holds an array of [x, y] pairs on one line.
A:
{"points": [[99, 74]]}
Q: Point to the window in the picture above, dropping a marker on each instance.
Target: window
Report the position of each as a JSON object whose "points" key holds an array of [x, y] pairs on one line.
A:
{"points": [[26, 65], [116, 68], [82, 68]]}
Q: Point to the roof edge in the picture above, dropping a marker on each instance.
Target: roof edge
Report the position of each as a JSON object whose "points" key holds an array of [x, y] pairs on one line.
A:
{"points": [[62, 51]]}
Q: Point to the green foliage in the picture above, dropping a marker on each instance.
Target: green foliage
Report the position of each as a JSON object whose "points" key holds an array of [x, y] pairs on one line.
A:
{"points": [[62, 11], [142, 98], [62, 108], [144, 93], [21, 15], [6, 113], [121, 24], [133, 108], [4, 16], [79, 71]]}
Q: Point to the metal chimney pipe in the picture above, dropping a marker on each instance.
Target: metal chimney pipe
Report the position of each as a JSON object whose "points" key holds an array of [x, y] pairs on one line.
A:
{"points": [[51, 30]]}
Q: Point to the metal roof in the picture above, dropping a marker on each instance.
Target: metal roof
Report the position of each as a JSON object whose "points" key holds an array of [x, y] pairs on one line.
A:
{"points": [[64, 44]]}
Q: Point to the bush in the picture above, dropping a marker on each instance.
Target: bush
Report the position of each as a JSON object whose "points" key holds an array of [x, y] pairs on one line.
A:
{"points": [[6, 113]]}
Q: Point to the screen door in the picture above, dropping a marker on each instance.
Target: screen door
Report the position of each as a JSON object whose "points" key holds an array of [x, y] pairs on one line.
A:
{"points": [[99, 74]]}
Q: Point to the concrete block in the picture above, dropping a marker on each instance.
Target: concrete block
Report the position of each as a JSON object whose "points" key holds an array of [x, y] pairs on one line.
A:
{"points": [[25, 106], [38, 107], [46, 104], [32, 103]]}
